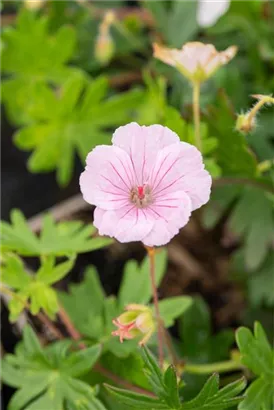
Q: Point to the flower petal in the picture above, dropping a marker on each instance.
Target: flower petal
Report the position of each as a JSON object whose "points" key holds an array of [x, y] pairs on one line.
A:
{"points": [[179, 167], [127, 224], [142, 144], [169, 219], [108, 177]]}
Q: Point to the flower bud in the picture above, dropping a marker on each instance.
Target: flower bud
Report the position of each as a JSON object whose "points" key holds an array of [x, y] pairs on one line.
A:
{"points": [[137, 321], [33, 4], [104, 45], [244, 123], [104, 48], [247, 122]]}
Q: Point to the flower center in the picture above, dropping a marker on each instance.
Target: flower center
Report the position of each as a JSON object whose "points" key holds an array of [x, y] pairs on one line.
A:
{"points": [[141, 196]]}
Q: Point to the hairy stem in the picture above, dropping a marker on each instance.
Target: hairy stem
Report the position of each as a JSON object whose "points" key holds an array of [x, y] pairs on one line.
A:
{"points": [[263, 99], [151, 255], [196, 114]]}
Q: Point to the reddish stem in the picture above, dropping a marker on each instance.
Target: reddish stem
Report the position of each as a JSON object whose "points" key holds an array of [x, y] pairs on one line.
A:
{"points": [[151, 255], [46, 322]]}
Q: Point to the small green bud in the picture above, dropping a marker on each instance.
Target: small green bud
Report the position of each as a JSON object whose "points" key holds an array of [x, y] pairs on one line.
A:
{"points": [[104, 48], [244, 123]]}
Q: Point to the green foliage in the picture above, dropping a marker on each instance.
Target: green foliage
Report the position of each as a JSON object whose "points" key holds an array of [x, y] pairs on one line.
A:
{"points": [[233, 154], [165, 386], [211, 398], [33, 57], [259, 290], [169, 19], [73, 120], [172, 308], [48, 378], [35, 288], [199, 345], [135, 286], [58, 239], [258, 356], [92, 312], [253, 218]]}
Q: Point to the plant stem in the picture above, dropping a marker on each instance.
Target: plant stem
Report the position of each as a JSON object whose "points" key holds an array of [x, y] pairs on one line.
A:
{"points": [[196, 114], [170, 348], [151, 255], [263, 99], [220, 367]]}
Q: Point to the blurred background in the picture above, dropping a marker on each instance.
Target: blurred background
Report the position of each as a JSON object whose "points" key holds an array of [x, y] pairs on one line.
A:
{"points": [[73, 71]]}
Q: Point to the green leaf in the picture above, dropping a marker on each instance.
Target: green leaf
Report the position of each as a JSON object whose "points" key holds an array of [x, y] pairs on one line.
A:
{"points": [[259, 291], [232, 154], [153, 372], [35, 57], [170, 380], [252, 217], [14, 274], [211, 398], [81, 362], [259, 395], [80, 118], [34, 287], [135, 286], [159, 12], [176, 33], [258, 356], [53, 274], [199, 345], [47, 379], [31, 343], [59, 239], [85, 304], [172, 308], [168, 19], [135, 400]]}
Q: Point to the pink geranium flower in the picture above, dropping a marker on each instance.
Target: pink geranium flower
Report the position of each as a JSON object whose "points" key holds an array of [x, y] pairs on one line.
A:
{"points": [[145, 185]]}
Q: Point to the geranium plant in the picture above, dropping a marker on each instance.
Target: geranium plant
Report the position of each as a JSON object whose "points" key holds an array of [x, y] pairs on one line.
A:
{"points": [[140, 291]]}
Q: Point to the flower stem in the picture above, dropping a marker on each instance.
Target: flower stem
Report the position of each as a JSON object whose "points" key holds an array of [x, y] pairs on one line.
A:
{"points": [[196, 114], [263, 99], [220, 367], [151, 255]]}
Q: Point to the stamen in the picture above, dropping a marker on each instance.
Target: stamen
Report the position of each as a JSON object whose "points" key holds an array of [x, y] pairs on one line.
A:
{"points": [[141, 196]]}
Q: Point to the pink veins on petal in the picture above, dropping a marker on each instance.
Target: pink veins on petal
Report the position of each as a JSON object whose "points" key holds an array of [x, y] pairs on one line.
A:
{"points": [[145, 185]]}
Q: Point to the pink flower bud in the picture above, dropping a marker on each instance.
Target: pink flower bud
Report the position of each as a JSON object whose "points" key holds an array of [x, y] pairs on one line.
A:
{"points": [[137, 321]]}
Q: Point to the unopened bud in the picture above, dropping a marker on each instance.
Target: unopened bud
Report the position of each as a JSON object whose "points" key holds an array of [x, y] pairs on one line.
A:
{"points": [[33, 4], [104, 48], [244, 123], [247, 122], [136, 321]]}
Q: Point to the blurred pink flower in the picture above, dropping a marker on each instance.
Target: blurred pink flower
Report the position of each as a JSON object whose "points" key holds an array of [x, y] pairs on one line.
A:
{"points": [[195, 60], [145, 185]]}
